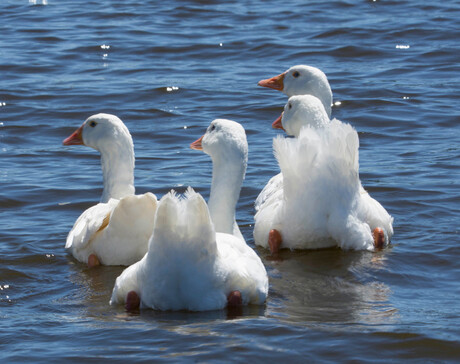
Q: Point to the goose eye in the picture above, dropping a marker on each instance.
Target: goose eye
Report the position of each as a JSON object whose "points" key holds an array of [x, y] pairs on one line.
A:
{"points": [[290, 106], [212, 127], [92, 124], [296, 74]]}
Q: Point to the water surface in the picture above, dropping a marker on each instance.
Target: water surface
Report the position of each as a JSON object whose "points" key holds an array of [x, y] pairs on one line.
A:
{"points": [[167, 69]]}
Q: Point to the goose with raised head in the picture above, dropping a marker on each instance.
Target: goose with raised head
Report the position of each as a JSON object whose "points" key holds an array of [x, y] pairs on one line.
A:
{"points": [[321, 202], [197, 258], [302, 80], [225, 142], [116, 231]]}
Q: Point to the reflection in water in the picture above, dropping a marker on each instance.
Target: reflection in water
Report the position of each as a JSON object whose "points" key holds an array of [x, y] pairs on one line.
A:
{"points": [[318, 286], [329, 286], [318, 300], [95, 287], [95, 290]]}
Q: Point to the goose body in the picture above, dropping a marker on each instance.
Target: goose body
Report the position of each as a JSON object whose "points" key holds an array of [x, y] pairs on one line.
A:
{"points": [[197, 259], [320, 202], [189, 266], [116, 231]]}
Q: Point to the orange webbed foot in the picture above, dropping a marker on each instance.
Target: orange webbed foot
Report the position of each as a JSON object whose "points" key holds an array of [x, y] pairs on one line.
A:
{"points": [[379, 238], [133, 301], [274, 241], [93, 261], [234, 299]]}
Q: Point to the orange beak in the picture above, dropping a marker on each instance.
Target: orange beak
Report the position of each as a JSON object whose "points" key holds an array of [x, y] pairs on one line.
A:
{"points": [[277, 124], [197, 144], [276, 83], [75, 138]]}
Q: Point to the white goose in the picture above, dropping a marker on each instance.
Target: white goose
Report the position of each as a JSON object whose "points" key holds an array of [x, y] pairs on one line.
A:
{"points": [[303, 80], [117, 230], [225, 142], [189, 266], [300, 111], [321, 202]]}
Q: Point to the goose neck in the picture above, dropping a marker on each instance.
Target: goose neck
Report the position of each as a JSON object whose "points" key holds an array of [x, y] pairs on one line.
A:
{"points": [[227, 178], [118, 172]]}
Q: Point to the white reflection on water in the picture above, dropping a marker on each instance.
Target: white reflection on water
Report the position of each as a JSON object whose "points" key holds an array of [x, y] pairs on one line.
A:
{"points": [[320, 287], [330, 286], [38, 2], [94, 289]]}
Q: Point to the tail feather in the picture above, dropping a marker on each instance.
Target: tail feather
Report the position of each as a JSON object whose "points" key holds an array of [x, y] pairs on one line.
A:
{"points": [[166, 220], [183, 224], [197, 217], [332, 149], [297, 157], [182, 252], [343, 141]]}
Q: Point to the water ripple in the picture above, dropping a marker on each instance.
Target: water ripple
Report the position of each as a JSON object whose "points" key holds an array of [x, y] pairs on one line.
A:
{"points": [[168, 69]]}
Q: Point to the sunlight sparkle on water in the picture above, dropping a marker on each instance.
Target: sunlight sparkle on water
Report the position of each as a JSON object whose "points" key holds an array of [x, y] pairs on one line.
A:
{"points": [[38, 2]]}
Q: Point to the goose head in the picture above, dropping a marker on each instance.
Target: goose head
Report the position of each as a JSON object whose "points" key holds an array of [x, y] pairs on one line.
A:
{"points": [[302, 80], [100, 132], [109, 135], [223, 140], [300, 111]]}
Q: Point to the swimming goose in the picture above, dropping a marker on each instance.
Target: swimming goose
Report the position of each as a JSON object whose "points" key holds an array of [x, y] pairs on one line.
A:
{"points": [[320, 202], [116, 231], [302, 80], [197, 259]]}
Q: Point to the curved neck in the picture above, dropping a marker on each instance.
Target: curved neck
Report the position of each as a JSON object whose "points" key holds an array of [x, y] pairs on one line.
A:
{"points": [[227, 178], [117, 162]]}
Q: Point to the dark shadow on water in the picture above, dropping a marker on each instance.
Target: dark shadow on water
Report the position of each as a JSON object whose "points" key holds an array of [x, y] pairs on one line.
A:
{"points": [[242, 312]]}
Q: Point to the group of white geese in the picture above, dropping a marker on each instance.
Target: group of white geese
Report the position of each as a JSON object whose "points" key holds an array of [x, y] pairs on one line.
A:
{"points": [[186, 254]]}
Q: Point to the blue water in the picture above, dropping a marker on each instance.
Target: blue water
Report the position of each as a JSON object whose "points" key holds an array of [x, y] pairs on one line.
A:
{"points": [[167, 69]]}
